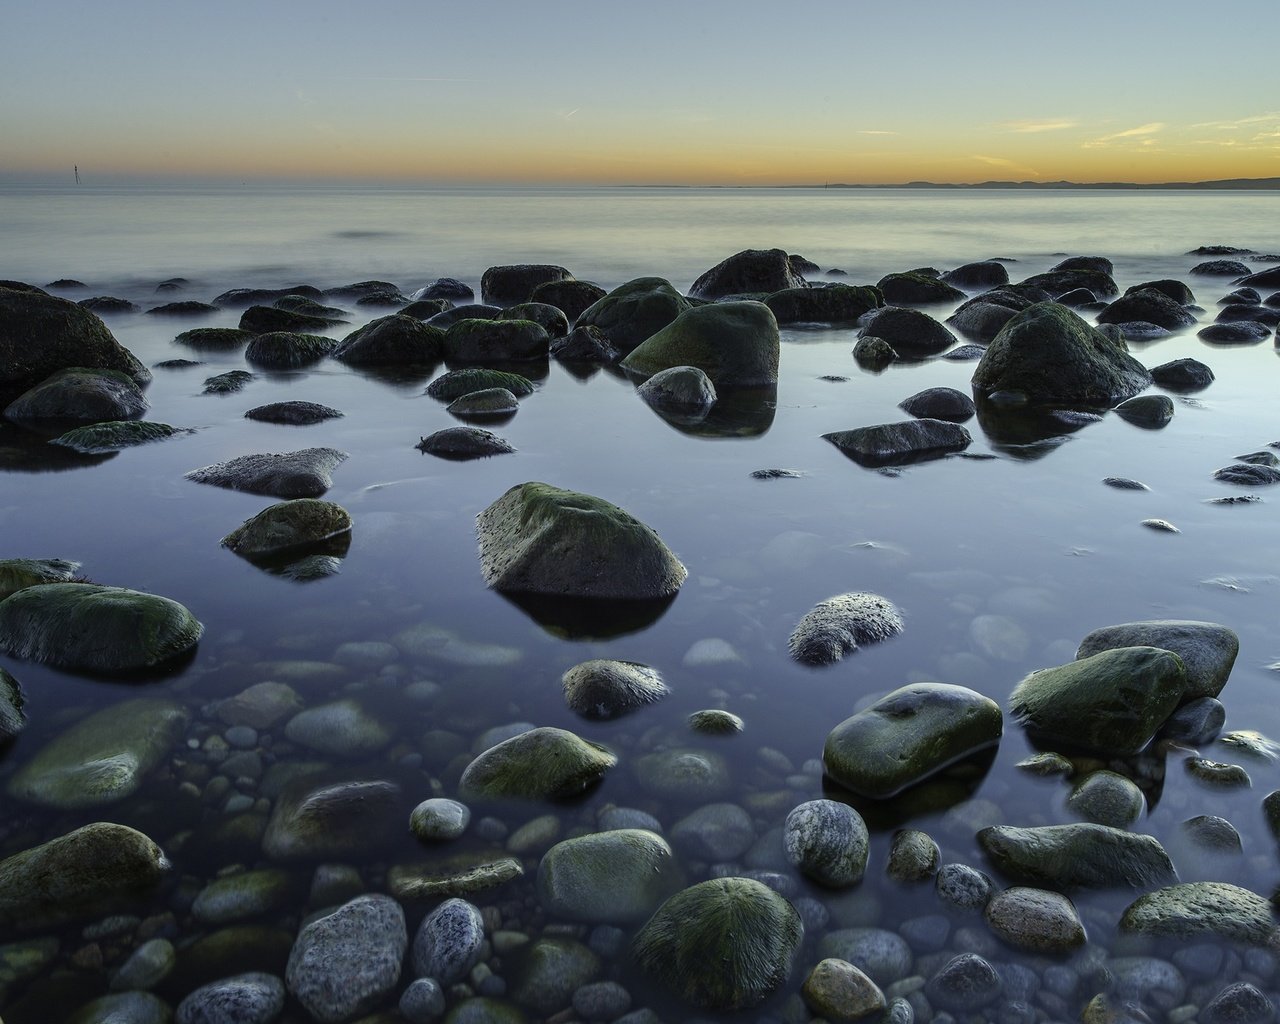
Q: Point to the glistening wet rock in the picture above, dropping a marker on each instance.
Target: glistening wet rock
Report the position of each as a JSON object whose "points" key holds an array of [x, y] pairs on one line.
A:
{"points": [[1077, 856], [736, 344], [464, 443], [80, 394], [896, 443], [827, 842], [288, 526], [541, 764], [1208, 650]]}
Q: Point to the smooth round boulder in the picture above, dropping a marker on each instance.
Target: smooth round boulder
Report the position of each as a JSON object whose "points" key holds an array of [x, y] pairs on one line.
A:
{"points": [[287, 526], [723, 944], [909, 735], [1208, 650], [939, 404], [1149, 305], [270, 319], [469, 379], [1078, 856], [514, 283], [334, 821], [114, 436], [550, 318], [913, 856], [634, 311], [978, 276], [1220, 268], [1106, 798], [613, 878], [90, 628], [965, 984], [873, 354], [541, 764], [911, 333], [1035, 920], [917, 289], [1238, 332], [394, 340], [571, 297], [748, 272], [297, 414], [489, 341], [736, 344], [1184, 374], [603, 688], [491, 403], [679, 388], [19, 573], [445, 288], [1095, 264], [541, 539], [837, 303], [283, 350], [982, 317], [839, 625], [1151, 412], [80, 394], [464, 443], [439, 819], [472, 311], [1061, 280], [1169, 287], [827, 842]]}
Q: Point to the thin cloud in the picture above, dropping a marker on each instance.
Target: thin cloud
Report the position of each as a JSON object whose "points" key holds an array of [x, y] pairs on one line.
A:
{"points": [[1227, 126], [1013, 165], [1128, 133], [1031, 127]]}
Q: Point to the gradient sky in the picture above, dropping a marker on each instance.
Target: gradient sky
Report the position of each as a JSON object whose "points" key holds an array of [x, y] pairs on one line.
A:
{"points": [[741, 93]]}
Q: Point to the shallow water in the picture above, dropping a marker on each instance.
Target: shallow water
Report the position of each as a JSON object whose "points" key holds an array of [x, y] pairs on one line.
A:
{"points": [[1000, 566]]}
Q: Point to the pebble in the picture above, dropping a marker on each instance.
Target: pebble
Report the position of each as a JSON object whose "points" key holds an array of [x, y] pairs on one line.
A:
{"points": [[422, 1002], [913, 856], [601, 1000], [966, 983], [1240, 1003], [449, 942], [243, 737], [827, 841], [253, 998], [963, 887], [439, 819], [1217, 774], [715, 832], [146, 967]]}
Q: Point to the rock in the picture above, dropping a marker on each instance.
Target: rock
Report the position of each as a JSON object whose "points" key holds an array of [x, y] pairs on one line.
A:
{"points": [[540, 539], [1197, 722], [1109, 703], [80, 394], [1208, 650], [124, 1008], [103, 758], [980, 276], [963, 887], [439, 819], [98, 869], [508, 285], [227, 383], [346, 963], [70, 336], [679, 774], [146, 967], [300, 474], [911, 333], [1245, 312], [635, 311], [585, 345], [1035, 920], [467, 380], [1149, 305], [261, 706], [837, 303], [981, 318], [288, 526], [1221, 268], [571, 297], [601, 1000], [394, 340], [550, 318], [917, 289], [1241, 296], [1182, 375], [253, 998], [541, 764], [908, 735], [241, 298], [1106, 798], [715, 722], [107, 304], [270, 320], [1149, 411], [723, 944], [827, 842], [243, 896], [472, 311], [1195, 909], [441, 645], [604, 688], [899, 443], [1080, 298], [422, 1002], [679, 388], [1269, 278], [460, 875], [489, 341], [1061, 280], [307, 301], [716, 832], [837, 626], [748, 272], [1212, 834], [98, 438], [1094, 264], [12, 718], [464, 443], [939, 404], [1248, 475], [1172, 289], [314, 821], [85, 627], [883, 955], [736, 344], [614, 877], [835, 990], [283, 350], [449, 942], [913, 856], [553, 969], [1079, 856], [965, 984], [445, 288], [297, 414], [873, 354], [490, 403], [1217, 774], [344, 728], [425, 309], [19, 573], [1241, 1003], [1238, 332]]}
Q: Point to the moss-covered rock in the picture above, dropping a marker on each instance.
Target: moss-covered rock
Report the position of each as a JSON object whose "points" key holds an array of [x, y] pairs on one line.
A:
{"points": [[103, 758], [982, 317], [979, 276], [284, 350], [489, 341], [1194, 910], [78, 393], [571, 297], [227, 383], [540, 539], [723, 944], [550, 971], [736, 344], [345, 820], [917, 289], [464, 443], [550, 318], [911, 333], [296, 414], [1208, 650], [12, 718], [269, 319], [908, 735], [635, 311], [300, 474], [508, 285], [1035, 920], [1077, 856], [115, 436], [605, 688], [585, 344], [394, 340], [95, 629], [1063, 279], [288, 526], [464, 381], [491, 403], [462, 874], [541, 764], [100, 868], [939, 404], [19, 573], [216, 339], [837, 303], [839, 625], [607, 877], [748, 272], [837, 991]]}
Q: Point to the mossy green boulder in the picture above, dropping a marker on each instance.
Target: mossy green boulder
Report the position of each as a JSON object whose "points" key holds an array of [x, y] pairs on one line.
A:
{"points": [[488, 341], [467, 379], [1077, 856], [214, 338], [103, 758], [95, 629], [748, 272], [288, 526], [78, 393], [607, 877], [98, 869], [909, 735], [115, 435], [723, 944], [1208, 650], [736, 344], [837, 303], [394, 340], [540, 539], [341, 820], [914, 288], [18, 573], [1111, 703], [635, 311], [284, 350], [541, 764], [1196, 910]]}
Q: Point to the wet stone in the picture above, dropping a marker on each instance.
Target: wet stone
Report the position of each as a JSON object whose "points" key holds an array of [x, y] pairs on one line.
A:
{"points": [[1197, 722], [827, 841], [448, 942], [1201, 909], [603, 688], [715, 722], [1217, 774], [714, 832], [439, 819], [553, 970], [422, 1002], [1107, 798], [146, 967], [840, 624], [601, 1000], [913, 856], [464, 443], [1241, 1003], [253, 998], [683, 774], [296, 414], [883, 955], [966, 983], [1035, 920], [963, 887], [838, 991], [1212, 833]]}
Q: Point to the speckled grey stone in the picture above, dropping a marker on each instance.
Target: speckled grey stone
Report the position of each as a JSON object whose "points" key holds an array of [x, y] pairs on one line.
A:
{"points": [[422, 1002], [253, 998], [913, 856], [964, 984], [449, 942], [963, 887], [827, 841]]}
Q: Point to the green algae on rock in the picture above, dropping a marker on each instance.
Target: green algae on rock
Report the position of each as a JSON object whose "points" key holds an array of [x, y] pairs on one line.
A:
{"points": [[607, 877], [115, 435], [95, 629], [541, 764], [456, 383], [635, 311], [1194, 909], [288, 526], [19, 573], [1077, 856], [78, 393], [736, 344]]}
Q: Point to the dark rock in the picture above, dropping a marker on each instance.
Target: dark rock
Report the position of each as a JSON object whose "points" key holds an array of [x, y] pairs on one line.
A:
{"points": [[840, 303], [457, 383], [309, 305], [1059, 282], [1121, 483], [917, 289], [571, 297], [251, 998], [425, 309], [873, 353], [585, 345], [1241, 297], [839, 625], [550, 318], [1077, 856], [1197, 722], [66, 284], [1269, 278], [446, 288], [965, 984], [801, 266], [1208, 650], [1078, 298], [12, 718], [911, 333], [281, 350], [1195, 909], [360, 289], [508, 285], [298, 414], [1241, 332], [963, 887], [1241, 1003], [300, 474], [1182, 375], [635, 311], [541, 764], [314, 820], [980, 276], [464, 443], [176, 364], [747, 272], [604, 688], [80, 394], [114, 436], [243, 298], [1248, 475], [1096, 264], [383, 300], [214, 338], [289, 525], [227, 383], [1221, 268], [268, 319], [736, 344], [939, 404], [1147, 305], [684, 389], [484, 341], [1035, 920], [1241, 312], [1175, 290], [491, 403], [896, 443], [108, 304], [981, 318], [188, 307], [473, 311], [1219, 250], [1149, 411], [394, 340]]}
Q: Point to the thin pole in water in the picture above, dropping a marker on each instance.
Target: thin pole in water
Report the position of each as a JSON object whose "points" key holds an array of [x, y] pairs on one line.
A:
{"points": [[77, 167]]}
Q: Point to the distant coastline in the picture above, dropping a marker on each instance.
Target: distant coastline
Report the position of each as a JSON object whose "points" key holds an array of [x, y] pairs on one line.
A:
{"points": [[1220, 185]]}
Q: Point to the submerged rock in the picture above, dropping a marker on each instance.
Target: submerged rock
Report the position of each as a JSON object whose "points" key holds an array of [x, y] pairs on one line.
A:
{"points": [[723, 944], [282, 350], [635, 311], [337, 821], [736, 344], [80, 394], [839, 625], [464, 443], [95, 629], [541, 764], [894, 443], [1182, 375], [908, 735], [614, 877], [1149, 411], [683, 775], [288, 525], [748, 272], [603, 688], [249, 998], [469, 379], [1077, 856], [1035, 920], [1208, 650], [1107, 798], [1195, 909], [487, 341], [18, 573], [343, 728], [393, 340], [838, 303], [299, 414], [449, 942], [300, 474], [827, 842], [115, 436], [540, 539]]}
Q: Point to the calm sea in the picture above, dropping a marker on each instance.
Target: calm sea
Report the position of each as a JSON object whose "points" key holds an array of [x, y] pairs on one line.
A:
{"points": [[1000, 565]]}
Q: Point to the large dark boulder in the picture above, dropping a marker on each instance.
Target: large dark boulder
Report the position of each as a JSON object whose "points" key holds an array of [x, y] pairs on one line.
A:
{"points": [[283, 350], [1175, 290], [1269, 278], [748, 272], [888, 444], [1243, 312], [550, 318], [300, 474], [571, 297], [635, 311], [1059, 282], [1050, 355], [736, 344], [267, 319], [982, 317], [79, 394], [1096, 264], [1221, 268], [911, 333], [837, 303], [915, 289], [41, 334], [243, 298], [446, 288], [393, 340], [977, 277], [488, 341], [1149, 305], [508, 285]]}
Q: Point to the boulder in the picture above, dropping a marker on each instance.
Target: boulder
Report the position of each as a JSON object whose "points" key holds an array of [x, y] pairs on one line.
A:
{"points": [[978, 277], [394, 340], [449, 942], [571, 297], [114, 436], [909, 735], [748, 272], [425, 309], [981, 318], [837, 991], [98, 869], [244, 895], [1222, 268], [282, 350], [12, 718], [445, 288], [837, 303], [1077, 856], [718, 832], [227, 383], [300, 474], [297, 414], [1239, 332], [308, 301], [361, 289], [332, 821], [723, 944], [1150, 412], [80, 394], [1035, 920], [1184, 374], [1239, 312], [270, 319], [1050, 355], [214, 339], [1269, 278], [736, 344], [1107, 798], [873, 354], [1149, 305], [464, 443], [682, 775], [604, 688], [916, 289], [839, 625], [964, 984], [508, 285], [491, 403], [551, 971], [634, 311], [912, 334], [103, 758], [613, 878], [107, 304], [18, 573], [1194, 910], [543, 540], [242, 298], [681, 389], [91, 628], [69, 336], [897, 443], [827, 842], [1059, 282], [541, 764], [457, 383], [289, 525], [249, 998], [488, 341], [1175, 290], [1208, 650], [471, 311], [1095, 264], [939, 404], [550, 318], [585, 345]]}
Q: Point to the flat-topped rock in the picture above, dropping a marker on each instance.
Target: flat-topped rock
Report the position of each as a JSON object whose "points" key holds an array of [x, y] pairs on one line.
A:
{"points": [[301, 474]]}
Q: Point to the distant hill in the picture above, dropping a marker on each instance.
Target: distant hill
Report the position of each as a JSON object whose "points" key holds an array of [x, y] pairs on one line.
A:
{"points": [[1221, 185]]}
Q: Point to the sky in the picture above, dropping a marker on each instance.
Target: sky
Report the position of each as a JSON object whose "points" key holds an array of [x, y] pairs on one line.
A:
{"points": [[694, 93]]}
